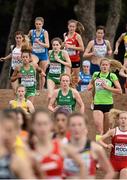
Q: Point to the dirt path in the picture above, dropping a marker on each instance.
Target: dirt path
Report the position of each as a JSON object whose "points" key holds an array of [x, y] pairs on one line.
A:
{"points": [[41, 101]]}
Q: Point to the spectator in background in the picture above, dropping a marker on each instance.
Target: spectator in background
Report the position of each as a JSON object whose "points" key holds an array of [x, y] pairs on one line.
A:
{"points": [[84, 76]]}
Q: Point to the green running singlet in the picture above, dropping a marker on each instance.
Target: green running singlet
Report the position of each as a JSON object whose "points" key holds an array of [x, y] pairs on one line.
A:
{"points": [[56, 68], [103, 96], [28, 79], [68, 101]]}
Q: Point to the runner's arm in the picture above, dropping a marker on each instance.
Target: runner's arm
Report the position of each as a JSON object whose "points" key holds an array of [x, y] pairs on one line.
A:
{"points": [[39, 69], [117, 88], [103, 160], [118, 43], [108, 134], [30, 34], [16, 75], [80, 42], [46, 43], [22, 168], [79, 100], [8, 57], [66, 57], [30, 106], [70, 151], [52, 101], [88, 53], [109, 48], [122, 72]]}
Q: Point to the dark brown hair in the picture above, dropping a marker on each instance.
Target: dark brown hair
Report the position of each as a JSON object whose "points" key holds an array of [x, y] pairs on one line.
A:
{"points": [[57, 39], [100, 28]]}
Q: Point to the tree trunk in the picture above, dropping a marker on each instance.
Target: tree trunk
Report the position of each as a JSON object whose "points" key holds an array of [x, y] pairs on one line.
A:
{"points": [[113, 19], [21, 21], [85, 11], [26, 15], [4, 78]]}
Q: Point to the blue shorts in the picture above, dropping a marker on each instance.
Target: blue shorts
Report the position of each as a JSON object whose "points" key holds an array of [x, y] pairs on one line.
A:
{"points": [[94, 68], [41, 57]]}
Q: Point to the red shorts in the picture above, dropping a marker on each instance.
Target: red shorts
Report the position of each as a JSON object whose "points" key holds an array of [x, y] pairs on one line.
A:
{"points": [[118, 165]]}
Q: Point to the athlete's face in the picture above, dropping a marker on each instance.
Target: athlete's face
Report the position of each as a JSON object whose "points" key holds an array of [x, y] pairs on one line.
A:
{"points": [[38, 24], [100, 33], [19, 39], [65, 82], [123, 119], [72, 27], [42, 125], [86, 69], [9, 133], [77, 127], [105, 66], [26, 58], [21, 92], [56, 46], [61, 123]]}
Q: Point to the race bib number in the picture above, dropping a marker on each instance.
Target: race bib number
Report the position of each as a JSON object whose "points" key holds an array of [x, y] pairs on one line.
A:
{"points": [[100, 51], [98, 84], [37, 48], [83, 87], [68, 107], [16, 60], [28, 81], [120, 149], [87, 159], [70, 165], [55, 68], [71, 52]]}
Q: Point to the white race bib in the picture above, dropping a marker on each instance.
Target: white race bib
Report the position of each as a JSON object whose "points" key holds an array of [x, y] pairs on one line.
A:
{"points": [[83, 87], [71, 52], [38, 48], [68, 107], [98, 84], [100, 50], [28, 81], [55, 68], [120, 149], [16, 60]]}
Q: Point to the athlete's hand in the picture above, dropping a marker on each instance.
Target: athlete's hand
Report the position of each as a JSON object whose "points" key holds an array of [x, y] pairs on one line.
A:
{"points": [[104, 85], [43, 73], [109, 146], [37, 41], [116, 51], [56, 57], [109, 53], [19, 75], [89, 87], [2, 59], [68, 46]]}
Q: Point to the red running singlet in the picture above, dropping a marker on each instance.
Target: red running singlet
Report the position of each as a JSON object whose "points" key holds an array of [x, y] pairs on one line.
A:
{"points": [[73, 54], [118, 154], [52, 164]]}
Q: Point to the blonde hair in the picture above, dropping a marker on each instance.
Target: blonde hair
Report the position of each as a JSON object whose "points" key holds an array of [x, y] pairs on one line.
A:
{"points": [[39, 19], [79, 26], [114, 64], [114, 115], [65, 74]]}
